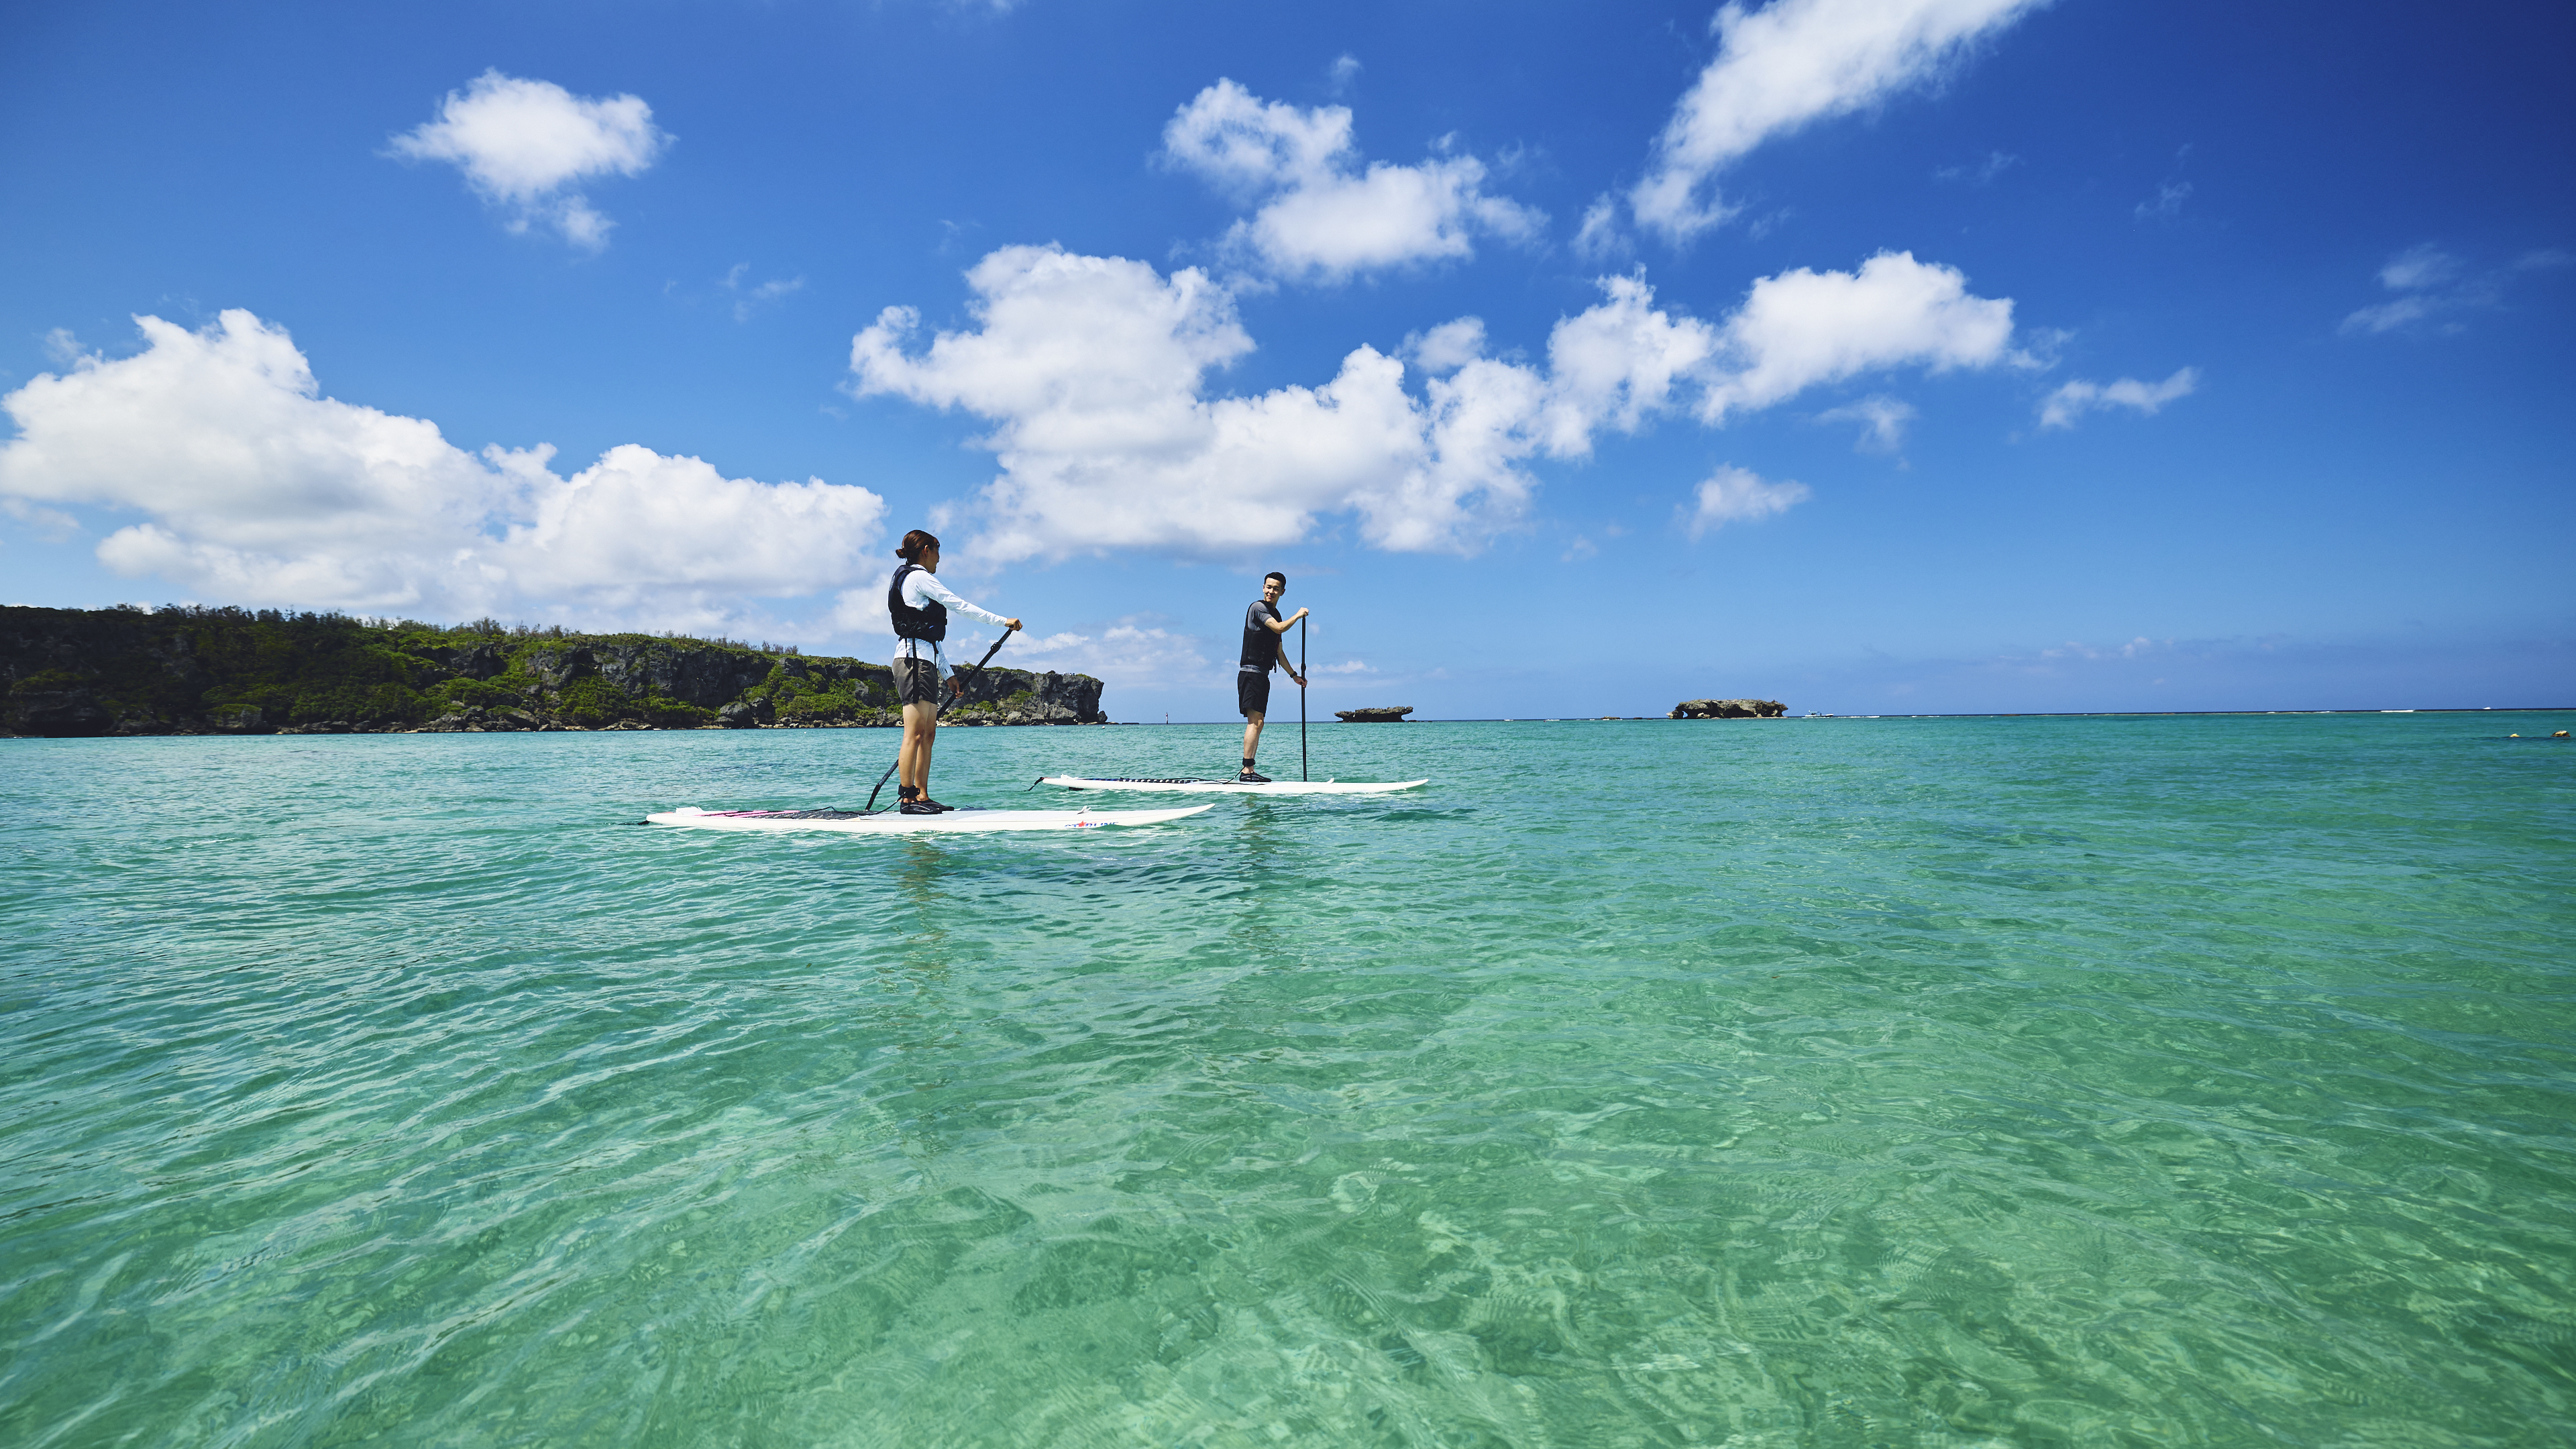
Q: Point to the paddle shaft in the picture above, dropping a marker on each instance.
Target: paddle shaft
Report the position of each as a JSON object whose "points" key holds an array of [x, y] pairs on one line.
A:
{"points": [[936, 706], [1301, 697]]}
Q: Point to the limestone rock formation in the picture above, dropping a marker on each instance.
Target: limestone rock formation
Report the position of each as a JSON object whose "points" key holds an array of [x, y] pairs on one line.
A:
{"points": [[1728, 709], [1375, 714]]}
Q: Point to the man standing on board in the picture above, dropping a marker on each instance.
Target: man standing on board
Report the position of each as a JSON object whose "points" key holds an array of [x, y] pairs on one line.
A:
{"points": [[1264, 644], [919, 604]]}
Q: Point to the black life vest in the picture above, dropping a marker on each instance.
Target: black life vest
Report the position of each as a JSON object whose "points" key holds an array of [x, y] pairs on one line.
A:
{"points": [[929, 622], [1260, 645]]}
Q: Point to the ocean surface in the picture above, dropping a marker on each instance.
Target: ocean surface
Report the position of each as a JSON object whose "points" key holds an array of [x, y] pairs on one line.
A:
{"points": [[2108, 1081]]}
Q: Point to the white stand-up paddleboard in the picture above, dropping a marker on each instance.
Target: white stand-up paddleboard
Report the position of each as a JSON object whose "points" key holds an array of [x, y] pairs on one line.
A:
{"points": [[1231, 787], [955, 822]]}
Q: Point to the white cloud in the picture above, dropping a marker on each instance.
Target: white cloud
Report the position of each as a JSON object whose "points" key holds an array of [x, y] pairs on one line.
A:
{"points": [[1882, 422], [1793, 62], [637, 524], [2390, 316], [2167, 202], [1094, 373], [2064, 406], [254, 487], [1981, 174], [2432, 285], [51, 524], [1344, 70], [1447, 347], [746, 302], [1092, 369], [1618, 362], [1320, 218], [2418, 267], [1803, 328], [1128, 654], [1599, 239], [1735, 495], [524, 144]]}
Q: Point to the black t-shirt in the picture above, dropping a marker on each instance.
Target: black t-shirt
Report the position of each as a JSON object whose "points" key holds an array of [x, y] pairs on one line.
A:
{"points": [[1260, 646]]}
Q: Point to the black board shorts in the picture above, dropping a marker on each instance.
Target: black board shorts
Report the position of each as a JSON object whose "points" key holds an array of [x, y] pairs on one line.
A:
{"points": [[916, 681], [1251, 692]]}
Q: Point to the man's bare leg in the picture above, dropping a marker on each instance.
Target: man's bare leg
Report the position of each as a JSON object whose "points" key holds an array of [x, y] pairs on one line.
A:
{"points": [[1251, 739]]}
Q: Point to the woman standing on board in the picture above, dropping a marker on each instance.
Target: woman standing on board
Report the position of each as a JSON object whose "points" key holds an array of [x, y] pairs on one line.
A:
{"points": [[919, 603]]}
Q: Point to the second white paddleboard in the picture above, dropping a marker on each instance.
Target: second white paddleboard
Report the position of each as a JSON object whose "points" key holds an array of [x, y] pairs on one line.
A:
{"points": [[1230, 787]]}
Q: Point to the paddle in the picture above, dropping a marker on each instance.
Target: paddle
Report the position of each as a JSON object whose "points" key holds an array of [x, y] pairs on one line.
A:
{"points": [[1301, 698], [957, 686]]}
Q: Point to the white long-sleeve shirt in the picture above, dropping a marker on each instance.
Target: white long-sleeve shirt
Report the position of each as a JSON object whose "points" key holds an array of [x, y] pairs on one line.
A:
{"points": [[921, 587]]}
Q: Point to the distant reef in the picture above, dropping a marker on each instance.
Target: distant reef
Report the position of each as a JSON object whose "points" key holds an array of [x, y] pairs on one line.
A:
{"points": [[198, 671], [1728, 709], [1374, 714]]}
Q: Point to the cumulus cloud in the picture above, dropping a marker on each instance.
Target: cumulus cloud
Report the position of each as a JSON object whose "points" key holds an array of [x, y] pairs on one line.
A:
{"points": [[524, 144], [1092, 369], [1321, 216], [1619, 362], [1805, 327], [1447, 347], [251, 485], [1791, 63], [2062, 407], [1736, 495], [1094, 373]]}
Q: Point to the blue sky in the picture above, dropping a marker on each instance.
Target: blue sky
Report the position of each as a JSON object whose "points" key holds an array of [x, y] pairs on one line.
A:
{"points": [[1871, 355]]}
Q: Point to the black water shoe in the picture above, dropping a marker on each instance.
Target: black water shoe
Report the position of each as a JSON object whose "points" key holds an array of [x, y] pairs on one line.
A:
{"points": [[1250, 778], [921, 807], [935, 805]]}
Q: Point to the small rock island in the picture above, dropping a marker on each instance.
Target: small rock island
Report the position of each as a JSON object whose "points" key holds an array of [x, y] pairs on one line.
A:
{"points": [[1375, 714], [1729, 709]]}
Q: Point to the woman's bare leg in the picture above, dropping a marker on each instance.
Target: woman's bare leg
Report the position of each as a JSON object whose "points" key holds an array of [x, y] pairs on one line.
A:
{"points": [[920, 731]]}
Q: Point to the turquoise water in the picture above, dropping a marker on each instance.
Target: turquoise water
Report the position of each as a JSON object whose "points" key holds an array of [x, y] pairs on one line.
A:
{"points": [[1898, 1082]]}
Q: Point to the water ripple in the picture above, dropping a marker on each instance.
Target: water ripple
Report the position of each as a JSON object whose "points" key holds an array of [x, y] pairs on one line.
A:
{"points": [[1859, 1082]]}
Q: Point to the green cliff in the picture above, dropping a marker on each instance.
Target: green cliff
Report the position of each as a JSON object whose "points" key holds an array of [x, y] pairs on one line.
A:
{"points": [[186, 670]]}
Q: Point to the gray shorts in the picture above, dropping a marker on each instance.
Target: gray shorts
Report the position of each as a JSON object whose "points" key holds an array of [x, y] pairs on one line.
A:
{"points": [[916, 681]]}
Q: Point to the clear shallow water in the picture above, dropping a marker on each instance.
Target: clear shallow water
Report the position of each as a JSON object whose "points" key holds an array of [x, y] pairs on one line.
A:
{"points": [[2114, 1081]]}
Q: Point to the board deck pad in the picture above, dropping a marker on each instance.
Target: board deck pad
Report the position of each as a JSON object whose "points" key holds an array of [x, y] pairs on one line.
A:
{"points": [[1185, 785], [887, 822]]}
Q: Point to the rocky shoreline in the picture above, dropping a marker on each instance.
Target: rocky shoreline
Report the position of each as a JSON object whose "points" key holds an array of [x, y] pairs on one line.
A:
{"points": [[195, 671]]}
